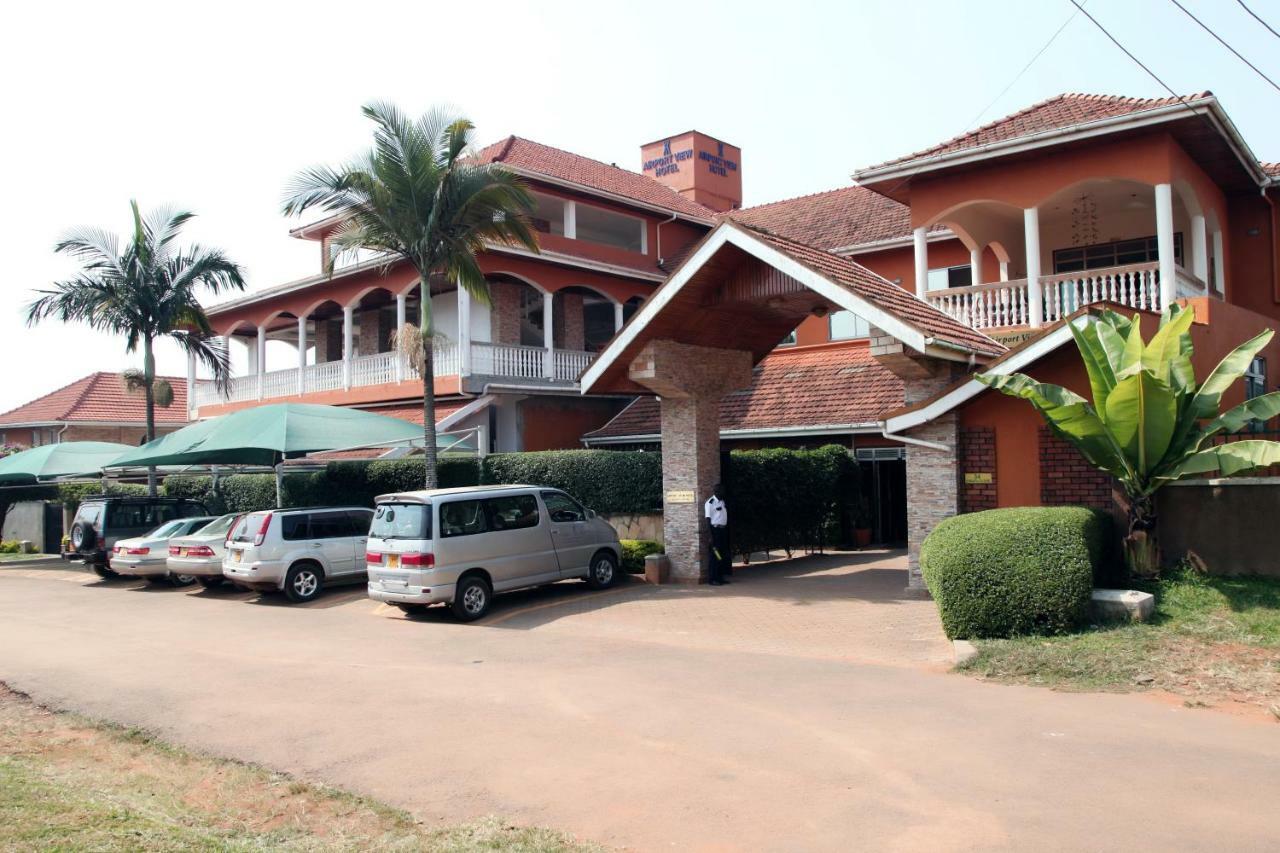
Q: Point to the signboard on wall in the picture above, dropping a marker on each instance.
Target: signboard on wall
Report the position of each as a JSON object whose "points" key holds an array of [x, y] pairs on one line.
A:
{"points": [[680, 496]]}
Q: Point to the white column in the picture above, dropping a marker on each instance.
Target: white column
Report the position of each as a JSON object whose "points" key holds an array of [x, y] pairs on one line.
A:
{"points": [[571, 220], [1199, 249], [191, 386], [1219, 268], [548, 335], [464, 331], [617, 317], [1031, 236], [975, 265], [400, 321], [1164, 244], [922, 261], [302, 356], [1004, 270], [348, 344], [262, 359]]}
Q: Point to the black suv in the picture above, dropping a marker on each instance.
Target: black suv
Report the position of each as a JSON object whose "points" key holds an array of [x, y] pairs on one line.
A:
{"points": [[102, 521]]}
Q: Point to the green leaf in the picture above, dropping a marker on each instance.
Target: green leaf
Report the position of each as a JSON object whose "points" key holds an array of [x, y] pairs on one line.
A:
{"points": [[1102, 375], [1262, 408], [1131, 357], [1228, 371], [1229, 459], [1168, 345], [1142, 414]]}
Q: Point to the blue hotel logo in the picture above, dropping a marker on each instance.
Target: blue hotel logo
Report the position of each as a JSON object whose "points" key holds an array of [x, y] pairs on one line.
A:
{"points": [[669, 162]]}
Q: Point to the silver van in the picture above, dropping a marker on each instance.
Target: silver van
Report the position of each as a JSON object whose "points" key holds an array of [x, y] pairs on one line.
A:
{"points": [[297, 551], [460, 546]]}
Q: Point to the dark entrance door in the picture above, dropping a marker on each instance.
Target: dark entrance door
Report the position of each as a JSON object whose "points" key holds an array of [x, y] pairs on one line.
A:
{"points": [[884, 479]]}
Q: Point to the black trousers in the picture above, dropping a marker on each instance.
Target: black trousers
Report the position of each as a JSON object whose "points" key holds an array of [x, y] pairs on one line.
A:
{"points": [[719, 557]]}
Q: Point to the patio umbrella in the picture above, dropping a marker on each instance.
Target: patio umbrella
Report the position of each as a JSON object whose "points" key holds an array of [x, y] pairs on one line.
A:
{"points": [[53, 461]]}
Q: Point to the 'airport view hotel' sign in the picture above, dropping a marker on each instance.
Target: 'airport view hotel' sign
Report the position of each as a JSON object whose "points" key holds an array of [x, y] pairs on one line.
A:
{"points": [[697, 166]]}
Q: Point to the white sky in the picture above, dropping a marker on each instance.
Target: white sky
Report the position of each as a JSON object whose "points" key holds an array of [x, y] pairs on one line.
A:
{"points": [[213, 106]]}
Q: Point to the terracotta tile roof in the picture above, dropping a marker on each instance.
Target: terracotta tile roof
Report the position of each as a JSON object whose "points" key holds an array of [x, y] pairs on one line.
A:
{"points": [[893, 299], [818, 386], [521, 153], [98, 397], [1272, 169], [849, 216], [1057, 112]]}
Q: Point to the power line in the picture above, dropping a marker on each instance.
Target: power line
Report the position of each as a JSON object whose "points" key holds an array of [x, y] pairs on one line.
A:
{"points": [[1223, 42], [1024, 70], [1258, 18]]}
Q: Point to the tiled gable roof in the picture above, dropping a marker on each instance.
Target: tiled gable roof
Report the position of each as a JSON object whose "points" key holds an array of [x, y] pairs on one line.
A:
{"points": [[1057, 112], [835, 219], [98, 397], [526, 154], [885, 294], [1272, 169], [820, 386]]}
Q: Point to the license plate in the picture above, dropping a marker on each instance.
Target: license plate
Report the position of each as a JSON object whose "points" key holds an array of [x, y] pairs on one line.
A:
{"points": [[393, 561], [182, 551], [239, 555]]}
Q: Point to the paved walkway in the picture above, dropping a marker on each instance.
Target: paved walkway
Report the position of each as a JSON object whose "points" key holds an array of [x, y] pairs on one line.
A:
{"points": [[718, 732]]}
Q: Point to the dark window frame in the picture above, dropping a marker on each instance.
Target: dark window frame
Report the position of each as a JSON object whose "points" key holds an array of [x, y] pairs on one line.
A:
{"points": [[1096, 256]]}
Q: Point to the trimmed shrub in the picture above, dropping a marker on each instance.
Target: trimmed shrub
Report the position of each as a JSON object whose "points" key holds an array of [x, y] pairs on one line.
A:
{"points": [[607, 481], [634, 551], [1017, 571], [788, 499]]}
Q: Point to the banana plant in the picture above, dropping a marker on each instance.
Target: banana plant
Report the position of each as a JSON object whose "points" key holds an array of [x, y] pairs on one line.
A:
{"points": [[1149, 422]]}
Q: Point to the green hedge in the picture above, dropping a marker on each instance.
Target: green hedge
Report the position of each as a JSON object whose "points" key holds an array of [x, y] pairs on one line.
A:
{"points": [[608, 481], [788, 499], [635, 550], [1018, 571]]}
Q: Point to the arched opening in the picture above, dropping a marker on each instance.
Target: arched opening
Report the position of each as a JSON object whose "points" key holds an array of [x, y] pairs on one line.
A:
{"points": [[1103, 223], [374, 319], [324, 332], [585, 319]]}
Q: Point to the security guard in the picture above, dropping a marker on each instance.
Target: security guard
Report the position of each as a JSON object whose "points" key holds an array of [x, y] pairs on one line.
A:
{"points": [[718, 520]]}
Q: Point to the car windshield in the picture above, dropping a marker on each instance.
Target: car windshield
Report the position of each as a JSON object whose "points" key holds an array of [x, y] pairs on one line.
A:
{"points": [[401, 521], [166, 530], [247, 528], [218, 525]]}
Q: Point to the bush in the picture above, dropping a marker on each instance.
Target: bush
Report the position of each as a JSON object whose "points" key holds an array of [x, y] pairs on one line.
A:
{"points": [[12, 546], [608, 481], [1010, 572], [634, 551], [787, 499]]}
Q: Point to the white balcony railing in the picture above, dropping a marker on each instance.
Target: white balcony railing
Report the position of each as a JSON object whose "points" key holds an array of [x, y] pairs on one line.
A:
{"points": [[510, 362], [1008, 303]]}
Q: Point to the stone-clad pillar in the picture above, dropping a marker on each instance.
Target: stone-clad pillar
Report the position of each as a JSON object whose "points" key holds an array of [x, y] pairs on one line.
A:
{"points": [[690, 380]]}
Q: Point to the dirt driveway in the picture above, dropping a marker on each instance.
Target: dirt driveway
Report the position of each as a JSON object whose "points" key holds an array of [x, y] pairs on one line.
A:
{"points": [[802, 708]]}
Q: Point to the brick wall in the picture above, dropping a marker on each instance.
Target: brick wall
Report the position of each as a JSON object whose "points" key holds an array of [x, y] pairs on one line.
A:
{"points": [[1066, 478], [505, 312], [374, 330], [977, 455], [328, 340], [571, 330]]}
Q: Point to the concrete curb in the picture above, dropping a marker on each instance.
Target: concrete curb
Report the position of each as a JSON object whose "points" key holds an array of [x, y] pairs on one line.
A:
{"points": [[964, 651]]}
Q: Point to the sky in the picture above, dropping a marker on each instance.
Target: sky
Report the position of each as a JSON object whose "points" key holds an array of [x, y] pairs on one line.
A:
{"points": [[213, 106]]}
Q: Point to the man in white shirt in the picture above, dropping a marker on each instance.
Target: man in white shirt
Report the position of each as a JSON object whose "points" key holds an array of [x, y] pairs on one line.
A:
{"points": [[717, 515]]}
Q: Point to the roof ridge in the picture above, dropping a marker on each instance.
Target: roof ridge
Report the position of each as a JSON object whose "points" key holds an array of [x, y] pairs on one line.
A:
{"points": [[803, 196], [49, 394]]}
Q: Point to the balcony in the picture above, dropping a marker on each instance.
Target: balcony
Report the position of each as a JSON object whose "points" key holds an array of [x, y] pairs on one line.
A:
{"points": [[555, 369], [1007, 304]]}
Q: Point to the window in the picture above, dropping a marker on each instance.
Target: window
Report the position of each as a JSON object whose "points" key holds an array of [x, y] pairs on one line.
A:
{"points": [[597, 225], [292, 527], [514, 512], [401, 521], [462, 518], [548, 214], [330, 525], [1255, 385], [562, 508], [139, 516], [941, 279], [789, 340], [1116, 254], [846, 326]]}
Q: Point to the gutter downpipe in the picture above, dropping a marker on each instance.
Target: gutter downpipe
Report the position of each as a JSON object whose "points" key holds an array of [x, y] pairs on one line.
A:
{"points": [[1275, 251], [658, 235]]}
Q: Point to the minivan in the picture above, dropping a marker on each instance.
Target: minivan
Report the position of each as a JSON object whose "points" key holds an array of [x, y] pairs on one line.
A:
{"points": [[298, 551], [460, 546]]}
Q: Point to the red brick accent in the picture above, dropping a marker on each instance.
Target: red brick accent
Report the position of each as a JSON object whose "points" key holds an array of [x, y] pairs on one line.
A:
{"points": [[1067, 478], [977, 455]]}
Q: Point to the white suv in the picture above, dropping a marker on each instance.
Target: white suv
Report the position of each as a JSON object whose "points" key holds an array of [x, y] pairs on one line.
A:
{"points": [[298, 551]]}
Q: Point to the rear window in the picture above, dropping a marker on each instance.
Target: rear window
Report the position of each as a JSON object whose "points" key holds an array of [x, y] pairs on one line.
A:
{"points": [[164, 531], [218, 525], [401, 521], [247, 528]]}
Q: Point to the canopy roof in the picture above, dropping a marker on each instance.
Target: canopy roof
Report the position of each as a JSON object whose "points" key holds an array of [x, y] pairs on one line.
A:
{"points": [[265, 435], [52, 461]]}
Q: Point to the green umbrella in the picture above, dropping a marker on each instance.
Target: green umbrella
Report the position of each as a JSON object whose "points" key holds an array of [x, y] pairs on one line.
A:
{"points": [[266, 435], [52, 461]]}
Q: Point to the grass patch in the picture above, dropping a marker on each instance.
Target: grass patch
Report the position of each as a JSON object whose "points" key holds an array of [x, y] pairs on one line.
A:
{"points": [[73, 784], [1213, 639]]}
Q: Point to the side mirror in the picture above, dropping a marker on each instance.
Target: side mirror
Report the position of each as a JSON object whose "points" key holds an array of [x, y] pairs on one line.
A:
{"points": [[591, 513]]}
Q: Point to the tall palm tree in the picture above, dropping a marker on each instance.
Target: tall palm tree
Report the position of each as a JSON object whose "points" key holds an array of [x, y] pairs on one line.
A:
{"points": [[418, 197], [145, 292]]}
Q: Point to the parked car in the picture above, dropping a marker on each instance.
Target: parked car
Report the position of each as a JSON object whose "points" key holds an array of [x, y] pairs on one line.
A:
{"points": [[460, 546], [101, 522], [298, 551], [146, 556], [199, 554]]}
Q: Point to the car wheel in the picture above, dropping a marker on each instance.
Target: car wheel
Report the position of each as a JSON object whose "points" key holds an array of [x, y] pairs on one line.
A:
{"points": [[471, 599], [603, 572], [303, 582], [158, 580], [105, 573], [182, 580], [210, 581]]}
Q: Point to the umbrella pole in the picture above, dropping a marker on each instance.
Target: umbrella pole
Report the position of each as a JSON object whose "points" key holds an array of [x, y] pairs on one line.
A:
{"points": [[279, 485]]}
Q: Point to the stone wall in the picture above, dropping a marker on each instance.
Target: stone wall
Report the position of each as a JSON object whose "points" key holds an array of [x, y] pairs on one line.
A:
{"points": [[638, 525], [977, 456], [1067, 478]]}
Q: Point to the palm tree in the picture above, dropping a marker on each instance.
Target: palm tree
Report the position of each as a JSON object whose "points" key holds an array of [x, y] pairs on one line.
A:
{"points": [[145, 292], [418, 197]]}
